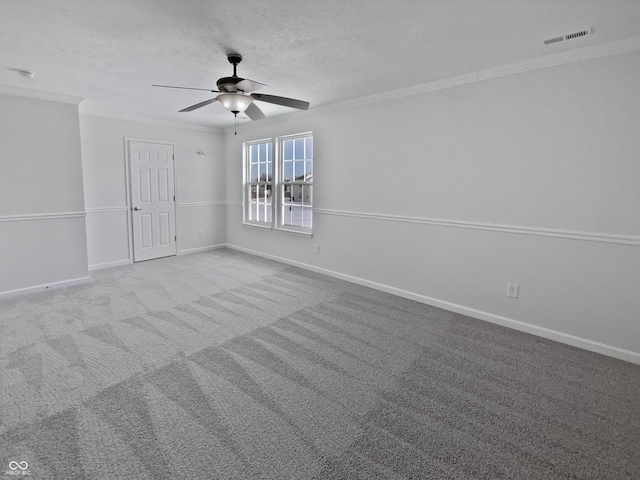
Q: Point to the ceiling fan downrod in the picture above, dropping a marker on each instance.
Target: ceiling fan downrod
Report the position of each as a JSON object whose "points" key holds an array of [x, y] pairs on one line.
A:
{"points": [[234, 59]]}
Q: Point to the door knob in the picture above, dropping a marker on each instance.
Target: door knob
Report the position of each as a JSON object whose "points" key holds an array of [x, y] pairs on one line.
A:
{"points": [[137, 208]]}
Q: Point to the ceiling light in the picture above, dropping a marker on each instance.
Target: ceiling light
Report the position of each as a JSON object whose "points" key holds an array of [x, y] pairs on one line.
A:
{"points": [[26, 73], [235, 102]]}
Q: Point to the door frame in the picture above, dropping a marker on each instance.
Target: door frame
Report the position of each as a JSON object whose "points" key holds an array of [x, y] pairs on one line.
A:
{"points": [[127, 179]]}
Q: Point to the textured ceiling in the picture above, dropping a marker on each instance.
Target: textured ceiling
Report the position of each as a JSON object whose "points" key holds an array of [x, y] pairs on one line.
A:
{"points": [[325, 52]]}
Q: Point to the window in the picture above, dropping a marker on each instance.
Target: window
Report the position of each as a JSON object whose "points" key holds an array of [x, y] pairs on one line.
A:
{"points": [[295, 182], [290, 176], [259, 182]]}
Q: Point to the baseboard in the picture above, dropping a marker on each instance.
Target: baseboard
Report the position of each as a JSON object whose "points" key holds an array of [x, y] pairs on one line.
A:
{"points": [[597, 347], [202, 249], [100, 266], [45, 287], [119, 263]]}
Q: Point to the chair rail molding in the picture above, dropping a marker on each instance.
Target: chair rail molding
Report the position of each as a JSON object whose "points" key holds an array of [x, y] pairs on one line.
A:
{"points": [[41, 216], [515, 229]]}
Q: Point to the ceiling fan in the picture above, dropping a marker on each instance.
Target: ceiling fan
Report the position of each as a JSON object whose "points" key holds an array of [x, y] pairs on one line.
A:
{"points": [[235, 94]]}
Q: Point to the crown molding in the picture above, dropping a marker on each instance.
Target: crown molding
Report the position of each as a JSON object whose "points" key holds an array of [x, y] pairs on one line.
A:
{"points": [[87, 112], [562, 58], [39, 95], [552, 60]]}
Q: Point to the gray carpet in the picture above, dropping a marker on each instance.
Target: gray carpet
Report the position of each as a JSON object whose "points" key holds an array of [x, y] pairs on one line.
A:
{"points": [[220, 365]]}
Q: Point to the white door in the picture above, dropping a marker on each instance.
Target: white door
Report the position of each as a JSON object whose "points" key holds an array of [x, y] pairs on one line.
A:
{"points": [[152, 200]]}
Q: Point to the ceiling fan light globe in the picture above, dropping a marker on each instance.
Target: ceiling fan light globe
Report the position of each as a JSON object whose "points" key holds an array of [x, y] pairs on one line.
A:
{"points": [[235, 102]]}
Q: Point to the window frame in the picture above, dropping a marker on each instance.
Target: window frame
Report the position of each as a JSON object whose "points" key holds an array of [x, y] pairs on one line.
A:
{"points": [[277, 185], [247, 184], [280, 184]]}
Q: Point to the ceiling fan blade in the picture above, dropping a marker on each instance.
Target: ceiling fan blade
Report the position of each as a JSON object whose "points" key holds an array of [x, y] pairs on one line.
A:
{"points": [[246, 85], [198, 105], [254, 113], [287, 102], [186, 88]]}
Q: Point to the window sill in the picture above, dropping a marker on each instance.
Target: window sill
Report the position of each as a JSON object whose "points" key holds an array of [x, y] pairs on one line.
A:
{"points": [[304, 233], [257, 225], [291, 231]]}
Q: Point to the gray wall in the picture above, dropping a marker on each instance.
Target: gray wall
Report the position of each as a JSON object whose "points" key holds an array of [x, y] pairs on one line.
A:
{"points": [[442, 196], [42, 220], [199, 186], [447, 196]]}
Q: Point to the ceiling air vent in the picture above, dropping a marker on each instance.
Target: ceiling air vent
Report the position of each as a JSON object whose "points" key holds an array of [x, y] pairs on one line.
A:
{"points": [[570, 36], [553, 40]]}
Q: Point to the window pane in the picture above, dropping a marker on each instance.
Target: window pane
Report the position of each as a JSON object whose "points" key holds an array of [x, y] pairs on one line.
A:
{"points": [[265, 212], [261, 212], [307, 196], [292, 216], [299, 149], [269, 171], [254, 153], [296, 216], [307, 216], [288, 149], [309, 171], [268, 152], [288, 171], [254, 173], [309, 147], [286, 215], [299, 171], [296, 194], [263, 152], [253, 211]]}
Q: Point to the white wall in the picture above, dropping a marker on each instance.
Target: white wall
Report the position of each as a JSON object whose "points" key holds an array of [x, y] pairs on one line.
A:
{"points": [[199, 186], [42, 220], [446, 196]]}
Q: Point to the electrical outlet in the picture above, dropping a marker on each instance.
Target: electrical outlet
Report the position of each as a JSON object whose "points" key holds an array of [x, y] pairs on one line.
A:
{"points": [[201, 234], [317, 248], [512, 290]]}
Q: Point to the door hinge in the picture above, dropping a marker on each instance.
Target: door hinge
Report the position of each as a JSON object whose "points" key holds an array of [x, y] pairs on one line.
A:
{"points": [[174, 198], [175, 239]]}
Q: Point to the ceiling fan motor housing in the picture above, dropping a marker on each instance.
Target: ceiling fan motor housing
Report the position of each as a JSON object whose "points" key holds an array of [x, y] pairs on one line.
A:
{"points": [[228, 84]]}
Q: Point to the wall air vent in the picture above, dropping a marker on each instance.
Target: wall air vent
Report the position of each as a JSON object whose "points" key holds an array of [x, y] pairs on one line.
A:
{"points": [[570, 36]]}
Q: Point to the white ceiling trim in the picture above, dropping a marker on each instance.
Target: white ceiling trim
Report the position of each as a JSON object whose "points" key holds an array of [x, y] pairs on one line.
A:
{"points": [[552, 60], [148, 120], [562, 58], [39, 95]]}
